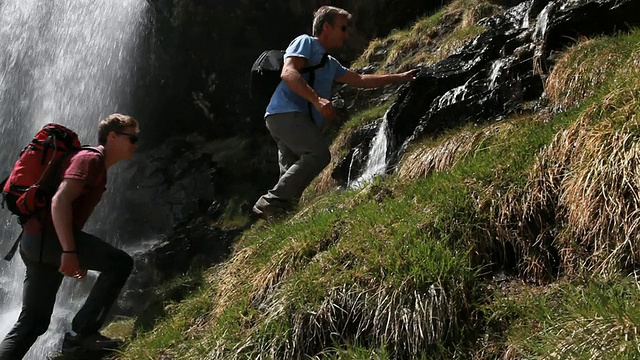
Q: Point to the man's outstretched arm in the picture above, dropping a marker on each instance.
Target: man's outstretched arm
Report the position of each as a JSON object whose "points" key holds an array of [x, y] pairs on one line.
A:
{"points": [[376, 80]]}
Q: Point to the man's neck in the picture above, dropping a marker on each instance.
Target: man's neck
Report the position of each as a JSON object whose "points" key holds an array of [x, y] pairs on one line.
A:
{"points": [[108, 160], [324, 41]]}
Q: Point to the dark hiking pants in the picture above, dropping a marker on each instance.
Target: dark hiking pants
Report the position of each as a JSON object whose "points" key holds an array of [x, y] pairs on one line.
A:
{"points": [[43, 279]]}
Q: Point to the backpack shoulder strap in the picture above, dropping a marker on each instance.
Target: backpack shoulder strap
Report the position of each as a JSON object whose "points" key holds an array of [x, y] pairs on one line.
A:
{"points": [[14, 247], [95, 149], [322, 63], [312, 78], [53, 180], [92, 148]]}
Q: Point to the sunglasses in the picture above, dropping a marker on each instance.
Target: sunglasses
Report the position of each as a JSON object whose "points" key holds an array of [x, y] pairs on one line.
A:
{"points": [[133, 138]]}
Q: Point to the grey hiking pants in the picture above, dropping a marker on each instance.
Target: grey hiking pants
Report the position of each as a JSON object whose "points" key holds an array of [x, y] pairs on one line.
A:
{"points": [[43, 279], [302, 154]]}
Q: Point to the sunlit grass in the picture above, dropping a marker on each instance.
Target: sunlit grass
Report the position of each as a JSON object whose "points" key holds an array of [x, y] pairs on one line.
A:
{"points": [[591, 67], [430, 39], [591, 319]]}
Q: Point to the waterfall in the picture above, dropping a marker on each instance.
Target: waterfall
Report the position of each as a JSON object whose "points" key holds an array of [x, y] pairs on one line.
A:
{"points": [[377, 158], [71, 62]]}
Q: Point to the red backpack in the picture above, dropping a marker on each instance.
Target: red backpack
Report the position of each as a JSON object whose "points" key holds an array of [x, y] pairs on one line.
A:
{"points": [[34, 178]]}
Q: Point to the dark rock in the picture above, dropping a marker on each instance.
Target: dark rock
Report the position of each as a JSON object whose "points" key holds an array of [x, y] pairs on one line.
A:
{"points": [[192, 246]]}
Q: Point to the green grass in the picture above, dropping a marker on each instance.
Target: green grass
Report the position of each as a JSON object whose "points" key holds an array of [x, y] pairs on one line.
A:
{"points": [[392, 242], [430, 39], [583, 319]]}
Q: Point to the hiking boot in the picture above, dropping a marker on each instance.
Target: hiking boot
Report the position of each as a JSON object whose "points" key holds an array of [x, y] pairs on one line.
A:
{"points": [[273, 208], [268, 212], [91, 342]]}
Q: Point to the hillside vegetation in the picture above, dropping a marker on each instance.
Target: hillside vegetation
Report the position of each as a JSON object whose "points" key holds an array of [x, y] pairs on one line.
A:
{"points": [[516, 239]]}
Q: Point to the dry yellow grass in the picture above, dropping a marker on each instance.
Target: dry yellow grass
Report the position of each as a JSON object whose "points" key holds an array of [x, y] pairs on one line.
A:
{"points": [[429, 40], [601, 195], [323, 184], [581, 71], [284, 263], [582, 197], [424, 160], [578, 210], [227, 279]]}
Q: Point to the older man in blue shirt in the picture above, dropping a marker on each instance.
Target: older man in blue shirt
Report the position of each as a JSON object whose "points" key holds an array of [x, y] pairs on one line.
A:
{"points": [[302, 150]]}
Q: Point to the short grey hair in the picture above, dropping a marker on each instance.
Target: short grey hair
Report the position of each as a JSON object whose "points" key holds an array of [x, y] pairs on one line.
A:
{"points": [[327, 14]]}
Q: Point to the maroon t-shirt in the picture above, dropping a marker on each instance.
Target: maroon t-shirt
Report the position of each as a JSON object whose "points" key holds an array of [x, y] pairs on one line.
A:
{"points": [[85, 165]]}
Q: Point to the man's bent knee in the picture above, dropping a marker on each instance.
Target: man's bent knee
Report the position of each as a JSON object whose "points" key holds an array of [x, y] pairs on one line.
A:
{"points": [[321, 160], [325, 158], [30, 327]]}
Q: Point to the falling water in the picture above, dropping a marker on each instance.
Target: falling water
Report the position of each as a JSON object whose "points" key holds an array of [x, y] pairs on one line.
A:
{"points": [[543, 21], [71, 62], [354, 156], [377, 159], [496, 69], [452, 96]]}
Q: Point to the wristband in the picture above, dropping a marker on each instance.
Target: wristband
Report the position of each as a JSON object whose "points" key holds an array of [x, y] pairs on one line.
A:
{"points": [[69, 251]]}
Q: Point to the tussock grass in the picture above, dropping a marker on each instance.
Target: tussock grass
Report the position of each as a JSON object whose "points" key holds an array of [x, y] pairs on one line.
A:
{"points": [[288, 261], [402, 320], [601, 197], [489, 161], [429, 40], [584, 69], [441, 155], [473, 11], [305, 284], [595, 319], [583, 189], [447, 46], [576, 211], [378, 49], [353, 352]]}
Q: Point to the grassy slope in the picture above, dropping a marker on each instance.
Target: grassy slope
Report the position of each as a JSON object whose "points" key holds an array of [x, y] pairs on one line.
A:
{"points": [[510, 240]]}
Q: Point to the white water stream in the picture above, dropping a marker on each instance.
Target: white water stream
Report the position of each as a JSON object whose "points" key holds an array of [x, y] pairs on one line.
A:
{"points": [[377, 158], [71, 62]]}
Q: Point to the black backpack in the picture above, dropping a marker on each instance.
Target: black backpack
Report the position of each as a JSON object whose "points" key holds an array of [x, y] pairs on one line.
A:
{"points": [[265, 75]]}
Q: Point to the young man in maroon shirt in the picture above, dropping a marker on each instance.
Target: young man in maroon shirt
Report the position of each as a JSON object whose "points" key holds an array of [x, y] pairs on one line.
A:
{"points": [[53, 246]]}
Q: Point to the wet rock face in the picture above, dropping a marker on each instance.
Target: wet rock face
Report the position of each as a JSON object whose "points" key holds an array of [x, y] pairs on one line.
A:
{"points": [[502, 69], [197, 245], [169, 185]]}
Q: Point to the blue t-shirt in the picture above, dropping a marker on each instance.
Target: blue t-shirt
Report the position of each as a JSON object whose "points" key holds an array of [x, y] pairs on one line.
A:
{"points": [[285, 100]]}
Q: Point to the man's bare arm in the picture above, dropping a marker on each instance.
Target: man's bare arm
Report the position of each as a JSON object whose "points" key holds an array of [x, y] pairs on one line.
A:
{"points": [[62, 215], [375, 80]]}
